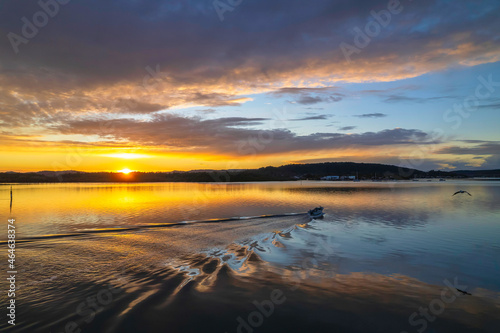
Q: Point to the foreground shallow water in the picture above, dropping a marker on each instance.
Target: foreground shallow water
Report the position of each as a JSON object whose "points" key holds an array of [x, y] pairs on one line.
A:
{"points": [[387, 257]]}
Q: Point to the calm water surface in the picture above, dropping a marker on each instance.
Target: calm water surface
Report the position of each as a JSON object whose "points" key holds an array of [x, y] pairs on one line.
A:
{"points": [[383, 252]]}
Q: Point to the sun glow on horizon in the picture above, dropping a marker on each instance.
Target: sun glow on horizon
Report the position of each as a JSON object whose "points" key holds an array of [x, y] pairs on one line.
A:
{"points": [[128, 156], [125, 171]]}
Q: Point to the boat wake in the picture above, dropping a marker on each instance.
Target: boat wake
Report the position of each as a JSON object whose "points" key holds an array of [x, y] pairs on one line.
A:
{"points": [[149, 226], [231, 275]]}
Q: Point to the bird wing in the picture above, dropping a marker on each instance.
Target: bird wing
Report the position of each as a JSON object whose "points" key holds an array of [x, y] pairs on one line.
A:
{"points": [[456, 193], [468, 193]]}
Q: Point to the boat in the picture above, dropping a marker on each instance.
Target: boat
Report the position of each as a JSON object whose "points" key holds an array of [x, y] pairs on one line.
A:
{"points": [[442, 180], [316, 213]]}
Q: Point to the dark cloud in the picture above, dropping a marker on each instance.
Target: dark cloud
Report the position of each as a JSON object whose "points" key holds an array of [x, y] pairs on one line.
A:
{"points": [[100, 43], [389, 90], [477, 141], [403, 98], [228, 135], [134, 106], [492, 106], [371, 115], [310, 96], [99, 58], [347, 128], [486, 152], [308, 100], [304, 91], [481, 148], [214, 99], [207, 111], [318, 117]]}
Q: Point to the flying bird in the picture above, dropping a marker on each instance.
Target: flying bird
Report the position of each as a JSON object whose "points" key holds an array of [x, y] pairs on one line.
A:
{"points": [[463, 292], [462, 192]]}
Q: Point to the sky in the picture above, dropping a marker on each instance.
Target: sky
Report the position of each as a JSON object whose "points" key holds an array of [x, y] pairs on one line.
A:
{"points": [[231, 84]]}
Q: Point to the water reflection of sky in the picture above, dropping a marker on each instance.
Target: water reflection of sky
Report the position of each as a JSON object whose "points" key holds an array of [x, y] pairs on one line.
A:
{"points": [[63, 208], [382, 251]]}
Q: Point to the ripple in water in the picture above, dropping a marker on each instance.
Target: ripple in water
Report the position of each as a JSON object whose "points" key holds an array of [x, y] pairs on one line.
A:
{"points": [[365, 267]]}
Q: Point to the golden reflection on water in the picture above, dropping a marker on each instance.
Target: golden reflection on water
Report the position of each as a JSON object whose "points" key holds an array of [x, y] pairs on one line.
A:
{"points": [[141, 267], [234, 263], [62, 208]]}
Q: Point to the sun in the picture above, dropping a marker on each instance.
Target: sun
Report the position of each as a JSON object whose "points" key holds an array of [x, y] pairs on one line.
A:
{"points": [[125, 171]]}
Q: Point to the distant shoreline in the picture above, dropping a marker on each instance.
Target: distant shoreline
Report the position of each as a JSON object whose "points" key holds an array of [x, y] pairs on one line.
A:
{"points": [[423, 181], [292, 172]]}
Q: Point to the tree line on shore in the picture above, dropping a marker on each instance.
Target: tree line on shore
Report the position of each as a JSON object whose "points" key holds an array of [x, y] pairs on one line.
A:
{"points": [[283, 173]]}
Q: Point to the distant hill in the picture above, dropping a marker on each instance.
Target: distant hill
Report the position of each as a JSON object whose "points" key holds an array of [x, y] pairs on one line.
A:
{"points": [[283, 173], [55, 173], [479, 173]]}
